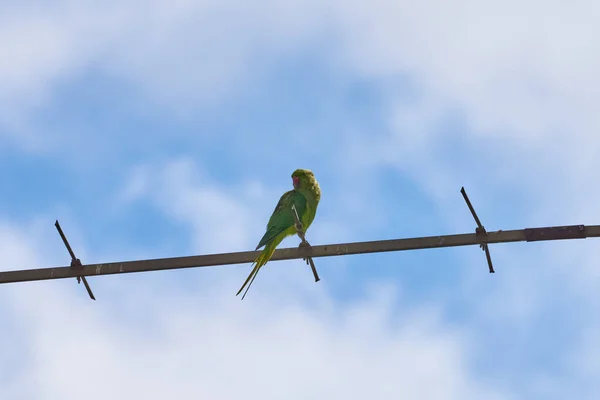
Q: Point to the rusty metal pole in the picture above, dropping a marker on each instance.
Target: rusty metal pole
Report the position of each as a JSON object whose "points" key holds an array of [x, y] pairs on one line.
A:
{"points": [[379, 246]]}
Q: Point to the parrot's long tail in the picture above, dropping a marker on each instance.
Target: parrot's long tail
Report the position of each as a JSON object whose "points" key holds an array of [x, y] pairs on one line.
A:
{"points": [[260, 261]]}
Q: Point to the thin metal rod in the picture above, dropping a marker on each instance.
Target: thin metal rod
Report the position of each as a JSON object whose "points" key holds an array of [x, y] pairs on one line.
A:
{"points": [[75, 262], [489, 258], [380, 246], [480, 230], [314, 269], [65, 241], [464, 193], [88, 288], [301, 234]]}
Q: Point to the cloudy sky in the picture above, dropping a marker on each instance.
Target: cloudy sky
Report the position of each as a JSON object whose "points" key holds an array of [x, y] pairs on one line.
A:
{"points": [[158, 129]]}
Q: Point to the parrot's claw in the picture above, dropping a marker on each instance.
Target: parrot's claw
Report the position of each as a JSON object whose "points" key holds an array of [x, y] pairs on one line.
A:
{"points": [[305, 244], [309, 261]]}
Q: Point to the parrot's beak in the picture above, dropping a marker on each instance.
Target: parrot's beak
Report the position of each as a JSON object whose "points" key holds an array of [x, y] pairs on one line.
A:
{"points": [[296, 181]]}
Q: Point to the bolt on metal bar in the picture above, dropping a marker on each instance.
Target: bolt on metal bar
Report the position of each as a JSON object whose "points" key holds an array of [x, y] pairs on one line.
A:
{"points": [[209, 260]]}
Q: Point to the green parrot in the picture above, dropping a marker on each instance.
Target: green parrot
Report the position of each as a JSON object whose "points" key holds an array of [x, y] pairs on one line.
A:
{"points": [[303, 200]]}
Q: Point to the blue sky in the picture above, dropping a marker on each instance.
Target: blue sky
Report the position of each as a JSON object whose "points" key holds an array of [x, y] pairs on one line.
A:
{"points": [[162, 129]]}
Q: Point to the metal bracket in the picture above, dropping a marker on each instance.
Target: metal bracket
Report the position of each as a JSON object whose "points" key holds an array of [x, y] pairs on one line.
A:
{"points": [[305, 244], [75, 262], [479, 231]]}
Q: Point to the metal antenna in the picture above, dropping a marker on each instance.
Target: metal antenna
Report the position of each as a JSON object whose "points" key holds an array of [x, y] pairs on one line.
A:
{"points": [[76, 270], [75, 262], [479, 231]]}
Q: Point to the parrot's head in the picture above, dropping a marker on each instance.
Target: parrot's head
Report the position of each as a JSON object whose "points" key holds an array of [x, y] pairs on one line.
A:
{"points": [[303, 178]]}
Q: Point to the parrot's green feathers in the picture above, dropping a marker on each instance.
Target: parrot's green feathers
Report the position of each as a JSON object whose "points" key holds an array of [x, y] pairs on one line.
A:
{"points": [[305, 198], [283, 215], [307, 183]]}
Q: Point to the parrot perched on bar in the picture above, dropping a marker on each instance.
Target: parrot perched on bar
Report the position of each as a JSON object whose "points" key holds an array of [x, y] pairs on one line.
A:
{"points": [[303, 200]]}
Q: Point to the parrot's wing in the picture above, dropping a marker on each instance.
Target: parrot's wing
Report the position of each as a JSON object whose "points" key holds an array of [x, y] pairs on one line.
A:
{"points": [[283, 215]]}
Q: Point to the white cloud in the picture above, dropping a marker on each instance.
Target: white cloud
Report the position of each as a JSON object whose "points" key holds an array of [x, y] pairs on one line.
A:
{"points": [[506, 63], [180, 55], [514, 71], [507, 67], [222, 219], [233, 217], [585, 362], [521, 76], [15, 252]]}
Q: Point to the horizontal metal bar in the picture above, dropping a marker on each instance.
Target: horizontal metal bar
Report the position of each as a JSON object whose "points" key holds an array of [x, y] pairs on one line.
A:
{"points": [[280, 254], [555, 233]]}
